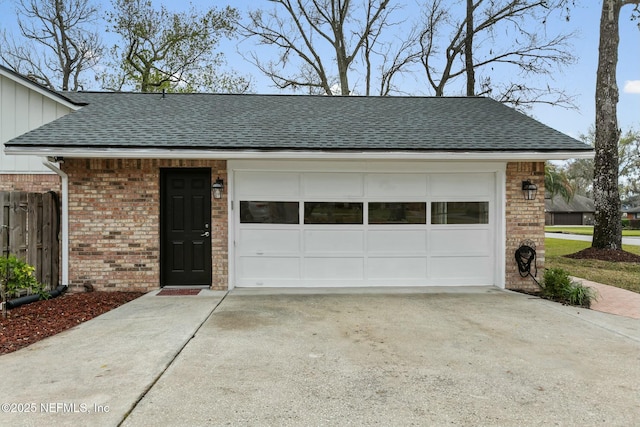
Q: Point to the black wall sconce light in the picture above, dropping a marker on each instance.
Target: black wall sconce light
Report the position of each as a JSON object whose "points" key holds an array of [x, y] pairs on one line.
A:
{"points": [[529, 190], [218, 187]]}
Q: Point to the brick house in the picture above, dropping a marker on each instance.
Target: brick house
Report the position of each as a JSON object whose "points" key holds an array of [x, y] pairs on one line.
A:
{"points": [[258, 191]]}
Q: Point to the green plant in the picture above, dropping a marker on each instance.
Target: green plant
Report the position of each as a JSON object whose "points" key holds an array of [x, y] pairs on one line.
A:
{"points": [[580, 295], [558, 286], [16, 275]]}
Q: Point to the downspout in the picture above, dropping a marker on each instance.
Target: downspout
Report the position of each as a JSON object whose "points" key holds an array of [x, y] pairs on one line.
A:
{"points": [[64, 223]]}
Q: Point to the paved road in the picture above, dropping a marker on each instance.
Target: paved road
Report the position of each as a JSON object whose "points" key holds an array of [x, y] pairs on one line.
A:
{"points": [[635, 241]]}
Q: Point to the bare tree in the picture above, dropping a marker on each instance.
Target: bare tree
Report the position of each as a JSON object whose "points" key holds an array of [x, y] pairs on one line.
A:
{"points": [[172, 51], [57, 44], [529, 51], [321, 42], [607, 232]]}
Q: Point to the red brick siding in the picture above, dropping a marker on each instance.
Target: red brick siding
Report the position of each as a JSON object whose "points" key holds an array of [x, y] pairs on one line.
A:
{"points": [[114, 239], [524, 221], [30, 183]]}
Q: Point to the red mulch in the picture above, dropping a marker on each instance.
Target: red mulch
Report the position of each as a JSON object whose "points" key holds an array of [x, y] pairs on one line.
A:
{"points": [[29, 323], [605, 255]]}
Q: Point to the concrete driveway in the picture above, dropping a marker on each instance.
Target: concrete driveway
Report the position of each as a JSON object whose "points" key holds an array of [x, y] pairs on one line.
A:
{"points": [[484, 357]]}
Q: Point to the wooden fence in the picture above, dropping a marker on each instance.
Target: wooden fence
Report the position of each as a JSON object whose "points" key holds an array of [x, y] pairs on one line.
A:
{"points": [[30, 229]]}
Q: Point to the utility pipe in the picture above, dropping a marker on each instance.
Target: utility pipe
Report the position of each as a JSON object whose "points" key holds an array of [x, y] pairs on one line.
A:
{"points": [[64, 223]]}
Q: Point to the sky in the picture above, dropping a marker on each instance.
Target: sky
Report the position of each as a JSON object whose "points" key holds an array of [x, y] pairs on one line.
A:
{"points": [[577, 79]]}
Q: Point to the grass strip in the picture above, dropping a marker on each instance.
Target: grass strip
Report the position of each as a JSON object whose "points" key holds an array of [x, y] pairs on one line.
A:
{"points": [[621, 275]]}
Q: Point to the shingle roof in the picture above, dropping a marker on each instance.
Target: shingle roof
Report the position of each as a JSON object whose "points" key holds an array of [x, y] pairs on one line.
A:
{"points": [[577, 203], [295, 122]]}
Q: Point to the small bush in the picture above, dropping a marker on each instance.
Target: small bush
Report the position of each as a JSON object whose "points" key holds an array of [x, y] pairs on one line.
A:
{"points": [[634, 224], [558, 286], [16, 275], [625, 223]]}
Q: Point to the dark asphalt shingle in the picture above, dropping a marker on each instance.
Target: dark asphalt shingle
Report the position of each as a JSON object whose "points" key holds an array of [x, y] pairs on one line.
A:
{"points": [[295, 122]]}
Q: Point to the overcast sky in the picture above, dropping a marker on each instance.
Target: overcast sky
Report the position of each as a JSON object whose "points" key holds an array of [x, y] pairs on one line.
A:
{"points": [[577, 79]]}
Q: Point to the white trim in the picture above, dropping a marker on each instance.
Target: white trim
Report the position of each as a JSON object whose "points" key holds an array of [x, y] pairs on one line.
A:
{"points": [[64, 223], [501, 228], [134, 153], [60, 99]]}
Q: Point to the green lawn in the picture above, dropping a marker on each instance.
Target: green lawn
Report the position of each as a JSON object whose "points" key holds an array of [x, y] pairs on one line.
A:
{"points": [[621, 275], [585, 230]]}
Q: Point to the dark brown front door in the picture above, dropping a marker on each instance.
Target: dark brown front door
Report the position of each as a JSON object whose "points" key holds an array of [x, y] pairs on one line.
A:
{"points": [[185, 218]]}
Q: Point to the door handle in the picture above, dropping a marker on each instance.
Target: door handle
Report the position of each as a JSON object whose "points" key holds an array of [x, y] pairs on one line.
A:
{"points": [[205, 234]]}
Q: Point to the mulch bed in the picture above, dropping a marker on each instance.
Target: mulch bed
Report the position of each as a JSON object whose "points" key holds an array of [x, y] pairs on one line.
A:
{"points": [[611, 255], [29, 323]]}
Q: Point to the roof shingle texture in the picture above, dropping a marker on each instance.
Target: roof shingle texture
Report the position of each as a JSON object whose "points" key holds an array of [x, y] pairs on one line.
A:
{"points": [[295, 122]]}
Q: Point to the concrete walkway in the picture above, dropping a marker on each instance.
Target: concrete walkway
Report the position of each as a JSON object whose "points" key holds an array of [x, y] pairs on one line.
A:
{"points": [[95, 373], [610, 299]]}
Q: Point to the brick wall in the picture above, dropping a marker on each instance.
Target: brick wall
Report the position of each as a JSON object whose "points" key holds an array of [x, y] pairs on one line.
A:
{"points": [[114, 209], [30, 183], [524, 221]]}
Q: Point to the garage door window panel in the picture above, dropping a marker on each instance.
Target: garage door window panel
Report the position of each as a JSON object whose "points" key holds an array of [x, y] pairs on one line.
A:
{"points": [[269, 212], [332, 213], [460, 213], [397, 213]]}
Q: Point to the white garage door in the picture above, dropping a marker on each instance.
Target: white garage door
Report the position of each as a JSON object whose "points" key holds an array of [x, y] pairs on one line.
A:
{"points": [[329, 229]]}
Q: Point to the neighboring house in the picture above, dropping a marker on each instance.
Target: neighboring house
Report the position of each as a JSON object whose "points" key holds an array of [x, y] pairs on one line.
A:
{"points": [[579, 210], [24, 106], [317, 191], [631, 213]]}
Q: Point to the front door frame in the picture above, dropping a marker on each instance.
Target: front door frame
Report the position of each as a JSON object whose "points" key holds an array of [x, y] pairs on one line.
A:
{"points": [[165, 175]]}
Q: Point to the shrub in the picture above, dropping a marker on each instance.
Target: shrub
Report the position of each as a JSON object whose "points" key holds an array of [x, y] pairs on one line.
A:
{"points": [[16, 275], [625, 223], [634, 224], [558, 286]]}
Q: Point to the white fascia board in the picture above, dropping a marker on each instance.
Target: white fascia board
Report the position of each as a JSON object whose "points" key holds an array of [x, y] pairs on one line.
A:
{"points": [[120, 153]]}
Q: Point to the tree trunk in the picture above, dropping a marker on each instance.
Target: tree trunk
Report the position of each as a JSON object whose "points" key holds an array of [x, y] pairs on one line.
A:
{"points": [[607, 233], [468, 51]]}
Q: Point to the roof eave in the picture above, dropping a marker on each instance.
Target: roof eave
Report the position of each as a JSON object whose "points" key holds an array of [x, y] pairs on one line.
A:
{"points": [[46, 92], [155, 153]]}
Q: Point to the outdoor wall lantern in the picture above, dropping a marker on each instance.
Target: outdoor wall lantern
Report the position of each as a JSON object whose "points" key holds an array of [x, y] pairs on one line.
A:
{"points": [[217, 187], [529, 189]]}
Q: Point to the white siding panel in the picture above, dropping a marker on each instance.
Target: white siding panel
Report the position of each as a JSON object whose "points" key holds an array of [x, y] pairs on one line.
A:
{"points": [[22, 110]]}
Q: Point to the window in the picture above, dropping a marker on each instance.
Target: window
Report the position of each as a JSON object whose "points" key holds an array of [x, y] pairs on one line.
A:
{"points": [[460, 213], [252, 212], [397, 213], [332, 213]]}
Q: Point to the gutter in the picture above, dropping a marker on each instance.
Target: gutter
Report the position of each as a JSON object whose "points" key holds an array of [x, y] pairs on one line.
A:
{"points": [[64, 223], [169, 153]]}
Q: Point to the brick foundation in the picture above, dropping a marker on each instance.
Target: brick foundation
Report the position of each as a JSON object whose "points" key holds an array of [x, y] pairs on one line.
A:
{"points": [[114, 230], [524, 221]]}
